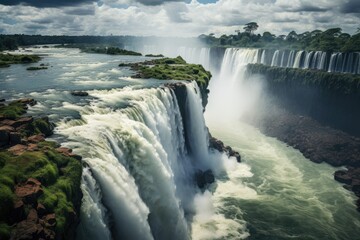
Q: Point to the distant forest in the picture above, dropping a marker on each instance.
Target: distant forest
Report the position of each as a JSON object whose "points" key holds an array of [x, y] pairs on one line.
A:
{"points": [[330, 40]]}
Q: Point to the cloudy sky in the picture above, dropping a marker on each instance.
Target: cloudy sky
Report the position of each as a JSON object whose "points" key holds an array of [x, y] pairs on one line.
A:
{"points": [[174, 17]]}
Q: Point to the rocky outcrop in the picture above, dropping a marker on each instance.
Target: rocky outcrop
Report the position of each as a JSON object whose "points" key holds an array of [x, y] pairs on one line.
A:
{"points": [[220, 146], [39, 206], [204, 178], [79, 93]]}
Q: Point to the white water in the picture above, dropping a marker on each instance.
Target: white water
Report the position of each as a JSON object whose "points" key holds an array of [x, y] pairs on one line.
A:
{"points": [[140, 181], [228, 91], [283, 195]]}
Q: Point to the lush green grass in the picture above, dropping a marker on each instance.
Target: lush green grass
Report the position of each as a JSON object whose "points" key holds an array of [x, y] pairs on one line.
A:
{"points": [[13, 110], [171, 69], [6, 59], [177, 72], [339, 82]]}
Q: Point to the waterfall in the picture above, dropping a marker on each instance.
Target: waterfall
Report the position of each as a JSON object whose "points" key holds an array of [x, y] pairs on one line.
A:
{"points": [[297, 62], [291, 59], [230, 90], [275, 59], [139, 183]]}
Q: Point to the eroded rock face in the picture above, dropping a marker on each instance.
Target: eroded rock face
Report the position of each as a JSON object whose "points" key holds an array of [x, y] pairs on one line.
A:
{"points": [[220, 146], [68, 152]]}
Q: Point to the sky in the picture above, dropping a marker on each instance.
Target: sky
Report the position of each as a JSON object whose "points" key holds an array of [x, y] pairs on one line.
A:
{"points": [[181, 18]]}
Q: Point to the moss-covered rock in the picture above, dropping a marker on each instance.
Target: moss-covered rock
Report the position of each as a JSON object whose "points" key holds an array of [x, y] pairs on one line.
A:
{"points": [[171, 69], [57, 171]]}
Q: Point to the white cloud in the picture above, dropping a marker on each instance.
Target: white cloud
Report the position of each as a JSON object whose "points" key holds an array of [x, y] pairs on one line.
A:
{"points": [[177, 18]]}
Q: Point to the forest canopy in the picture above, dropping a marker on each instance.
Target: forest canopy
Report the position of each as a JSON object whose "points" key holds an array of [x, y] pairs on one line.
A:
{"points": [[330, 40]]}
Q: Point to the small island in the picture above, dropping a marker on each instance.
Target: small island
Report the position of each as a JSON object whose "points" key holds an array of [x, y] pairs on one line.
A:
{"points": [[6, 59], [101, 49], [154, 55], [170, 69]]}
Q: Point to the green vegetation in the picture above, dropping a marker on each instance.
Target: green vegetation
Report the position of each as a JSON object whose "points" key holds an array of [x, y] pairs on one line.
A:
{"points": [[7, 59], [339, 82], [59, 174], [13, 110], [36, 68], [100, 48], [171, 69], [154, 55], [330, 40], [110, 51]]}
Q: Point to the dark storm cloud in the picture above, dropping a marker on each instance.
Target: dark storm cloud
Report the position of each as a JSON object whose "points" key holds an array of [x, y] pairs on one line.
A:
{"points": [[45, 3], [352, 6], [43, 21], [309, 8], [34, 26], [285, 20], [156, 2], [81, 11]]}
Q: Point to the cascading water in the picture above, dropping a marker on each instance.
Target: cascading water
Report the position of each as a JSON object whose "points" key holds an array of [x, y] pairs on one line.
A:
{"points": [[139, 183], [336, 62], [230, 91]]}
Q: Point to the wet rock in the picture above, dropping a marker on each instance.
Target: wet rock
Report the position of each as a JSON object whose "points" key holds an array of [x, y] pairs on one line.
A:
{"points": [[79, 93], [15, 138], [41, 210], [33, 216], [18, 213], [30, 191], [68, 152], [5, 135], [32, 147], [343, 177], [27, 230], [18, 149], [50, 220], [204, 178], [7, 122], [36, 138], [2, 100], [22, 121], [220, 146], [29, 101]]}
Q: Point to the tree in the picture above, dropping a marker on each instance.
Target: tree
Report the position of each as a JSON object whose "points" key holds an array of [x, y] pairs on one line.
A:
{"points": [[292, 36], [251, 27], [268, 37]]}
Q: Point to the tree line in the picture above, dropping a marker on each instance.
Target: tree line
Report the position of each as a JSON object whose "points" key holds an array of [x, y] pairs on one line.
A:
{"points": [[330, 40]]}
